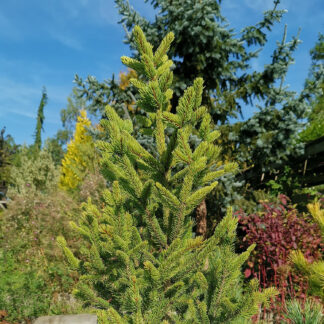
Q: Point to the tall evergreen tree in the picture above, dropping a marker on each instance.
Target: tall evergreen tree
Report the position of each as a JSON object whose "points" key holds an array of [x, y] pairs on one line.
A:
{"points": [[40, 120], [141, 262], [205, 45]]}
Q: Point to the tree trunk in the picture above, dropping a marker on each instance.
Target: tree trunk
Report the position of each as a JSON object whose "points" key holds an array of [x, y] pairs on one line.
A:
{"points": [[201, 219]]}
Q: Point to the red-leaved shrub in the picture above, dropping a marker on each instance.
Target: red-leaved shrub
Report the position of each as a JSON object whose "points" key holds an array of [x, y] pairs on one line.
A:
{"points": [[277, 230]]}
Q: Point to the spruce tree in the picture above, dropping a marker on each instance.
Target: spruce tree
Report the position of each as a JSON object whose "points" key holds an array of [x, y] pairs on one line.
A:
{"points": [[141, 262], [40, 120]]}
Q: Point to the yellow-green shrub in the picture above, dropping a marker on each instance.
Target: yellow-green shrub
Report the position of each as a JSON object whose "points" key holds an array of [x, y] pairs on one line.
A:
{"points": [[314, 271], [80, 155]]}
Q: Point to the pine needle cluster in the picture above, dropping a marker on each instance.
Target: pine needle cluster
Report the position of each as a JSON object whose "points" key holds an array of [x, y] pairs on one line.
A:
{"points": [[141, 262]]}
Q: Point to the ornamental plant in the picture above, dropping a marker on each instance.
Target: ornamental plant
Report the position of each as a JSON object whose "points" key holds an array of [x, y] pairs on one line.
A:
{"points": [[141, 262], [309, 313], [33, 276], [277, 230], [314, 271], [40, 120], [32, 172], [80, 156]]}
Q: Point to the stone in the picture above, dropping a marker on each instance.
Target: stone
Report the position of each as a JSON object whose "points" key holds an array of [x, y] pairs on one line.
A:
{"points": [[67, 319]]}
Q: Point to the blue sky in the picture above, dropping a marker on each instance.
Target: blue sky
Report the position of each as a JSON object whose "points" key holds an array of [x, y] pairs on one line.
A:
{"points": [[45, 43]]}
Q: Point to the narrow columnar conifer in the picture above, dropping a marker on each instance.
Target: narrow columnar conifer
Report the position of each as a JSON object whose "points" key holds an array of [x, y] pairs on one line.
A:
{"points": [[40, 120], [141, 262]]}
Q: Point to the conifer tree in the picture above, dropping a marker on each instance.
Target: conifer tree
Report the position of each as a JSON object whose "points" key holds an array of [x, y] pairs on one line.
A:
{"points": [[40, 120], [141, 262], [79, 158], [315, 125], [206, 45]]}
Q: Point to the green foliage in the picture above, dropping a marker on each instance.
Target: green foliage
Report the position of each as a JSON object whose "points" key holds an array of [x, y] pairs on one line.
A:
{"points": [[270, 137], [33, 277], [315, 127], [309, 313], [7, 150], [56, 146], [205, 45], [314, 271], [32, 172], [23, 294], [286, 183], [140, 262], [40, 120]]}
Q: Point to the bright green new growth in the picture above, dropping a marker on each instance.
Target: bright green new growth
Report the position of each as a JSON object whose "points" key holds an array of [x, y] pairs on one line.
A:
{"points": [[141, 262]]}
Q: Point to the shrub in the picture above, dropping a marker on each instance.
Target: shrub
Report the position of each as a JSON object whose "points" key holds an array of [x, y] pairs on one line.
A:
{"points": [[32, 275], [92, 187], [277, 230], [309, 313], [80, 156], [24, 293], [32, 173], [315, 270]]}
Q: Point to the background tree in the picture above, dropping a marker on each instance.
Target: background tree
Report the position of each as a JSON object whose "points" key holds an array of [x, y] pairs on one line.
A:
{"points": [[8, 151], [56, 145], [40, 120], [205, 45], [315, 126]]}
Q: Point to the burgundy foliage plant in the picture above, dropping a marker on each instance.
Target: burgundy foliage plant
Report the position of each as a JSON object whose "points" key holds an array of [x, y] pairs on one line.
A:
{"points": [[277, 230]]}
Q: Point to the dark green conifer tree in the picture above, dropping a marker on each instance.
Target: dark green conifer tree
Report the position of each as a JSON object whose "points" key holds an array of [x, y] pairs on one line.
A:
{"points": [[40, 120], [141, 262], [315, 126]]}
